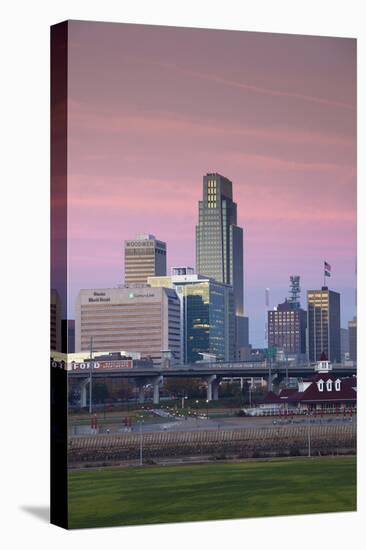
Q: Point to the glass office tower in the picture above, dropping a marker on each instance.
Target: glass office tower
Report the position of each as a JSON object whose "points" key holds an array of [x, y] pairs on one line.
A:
{"points": [[219, 244], [207, 316], [208, 310]]}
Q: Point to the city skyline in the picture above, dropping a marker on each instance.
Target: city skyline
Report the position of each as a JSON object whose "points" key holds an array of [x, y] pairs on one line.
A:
{"points": [[278, 122]]}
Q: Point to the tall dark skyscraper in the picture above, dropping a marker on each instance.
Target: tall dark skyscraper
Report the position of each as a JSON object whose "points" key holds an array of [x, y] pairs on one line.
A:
{"points": [[55, 323], [219, 244], [352, 333], [324, 324]]}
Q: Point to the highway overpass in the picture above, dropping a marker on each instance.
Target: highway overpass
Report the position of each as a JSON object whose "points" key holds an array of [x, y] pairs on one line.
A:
{"points": [[212, 373]]}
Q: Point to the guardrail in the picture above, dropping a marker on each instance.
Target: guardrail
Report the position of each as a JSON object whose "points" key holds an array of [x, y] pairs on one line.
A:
{"points": [[230, 366]]}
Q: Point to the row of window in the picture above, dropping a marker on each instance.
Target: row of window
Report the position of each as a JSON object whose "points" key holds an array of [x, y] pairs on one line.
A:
{"points": [[143, 243], [118, 308], [329, 385], [120, 315]]}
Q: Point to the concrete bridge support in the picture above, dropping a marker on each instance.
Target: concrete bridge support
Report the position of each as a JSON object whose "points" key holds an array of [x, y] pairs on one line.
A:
{"points": [[84, 392], [141, 394], [140, 384], [210, 387], [156, 385], [215, 389]]}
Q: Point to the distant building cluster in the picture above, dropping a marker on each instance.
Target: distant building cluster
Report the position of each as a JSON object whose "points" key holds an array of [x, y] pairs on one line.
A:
{"points": [[188, 314], [193, 314], [312, 334]]}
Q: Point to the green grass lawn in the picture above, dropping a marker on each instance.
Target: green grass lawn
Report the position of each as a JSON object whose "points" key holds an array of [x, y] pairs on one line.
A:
{"points": [[159, 494]]}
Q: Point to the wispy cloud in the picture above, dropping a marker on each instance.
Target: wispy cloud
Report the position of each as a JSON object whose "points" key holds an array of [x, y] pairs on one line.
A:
{"points": [[164, 123], [253, 88]]}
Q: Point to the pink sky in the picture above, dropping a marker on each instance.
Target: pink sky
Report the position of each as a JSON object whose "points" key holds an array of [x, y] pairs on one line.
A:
{"points": [[152, 109]]}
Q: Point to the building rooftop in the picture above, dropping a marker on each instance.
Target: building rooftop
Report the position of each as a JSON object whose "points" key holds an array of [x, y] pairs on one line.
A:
{"points": [[346, 392], [182, 270], [145, 237]]}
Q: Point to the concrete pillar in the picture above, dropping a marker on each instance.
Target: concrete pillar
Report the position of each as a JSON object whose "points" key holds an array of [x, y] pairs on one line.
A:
{"points": [[84, 393], [156, 384], [166, 359], [210, 382], [215, 390], [141, 394]]}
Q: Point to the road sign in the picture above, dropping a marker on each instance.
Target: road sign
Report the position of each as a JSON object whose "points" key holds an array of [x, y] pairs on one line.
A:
{"points": [[271, 352]]}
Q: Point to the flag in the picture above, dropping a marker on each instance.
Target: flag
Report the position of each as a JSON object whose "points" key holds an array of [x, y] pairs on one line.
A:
{"points": [[327, 268]]}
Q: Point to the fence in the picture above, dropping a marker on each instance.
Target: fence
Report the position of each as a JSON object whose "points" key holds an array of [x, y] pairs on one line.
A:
{"points": [[274, 441]]}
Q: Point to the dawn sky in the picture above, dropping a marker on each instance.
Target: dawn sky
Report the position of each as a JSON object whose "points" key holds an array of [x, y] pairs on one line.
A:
{"points": [[152, 109]]}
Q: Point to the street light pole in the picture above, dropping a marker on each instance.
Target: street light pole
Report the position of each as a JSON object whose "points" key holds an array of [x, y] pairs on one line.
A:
{"points": [[309, 436], [269, 365], [140, 441]]}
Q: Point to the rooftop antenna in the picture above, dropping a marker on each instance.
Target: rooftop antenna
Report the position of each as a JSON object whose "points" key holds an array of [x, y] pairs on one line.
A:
{"points": [[267, 298], [295, 291]]}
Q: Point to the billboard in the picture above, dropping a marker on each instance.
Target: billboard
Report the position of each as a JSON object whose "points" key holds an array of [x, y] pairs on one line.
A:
{"points": [[101, 365]]}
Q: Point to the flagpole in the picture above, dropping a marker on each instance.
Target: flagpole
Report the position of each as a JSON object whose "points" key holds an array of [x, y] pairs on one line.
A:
{"points": [[321, 316]]}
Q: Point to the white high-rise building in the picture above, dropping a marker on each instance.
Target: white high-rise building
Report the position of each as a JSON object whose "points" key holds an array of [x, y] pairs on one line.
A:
{"points": [[143, 319]]}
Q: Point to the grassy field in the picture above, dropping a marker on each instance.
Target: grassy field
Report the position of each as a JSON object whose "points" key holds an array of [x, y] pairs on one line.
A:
{"points": [[159, 494]]}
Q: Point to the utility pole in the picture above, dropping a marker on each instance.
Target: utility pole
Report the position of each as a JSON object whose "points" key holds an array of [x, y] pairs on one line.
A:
{"points": [[90, 377], [270, 374], [269, 355]]}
